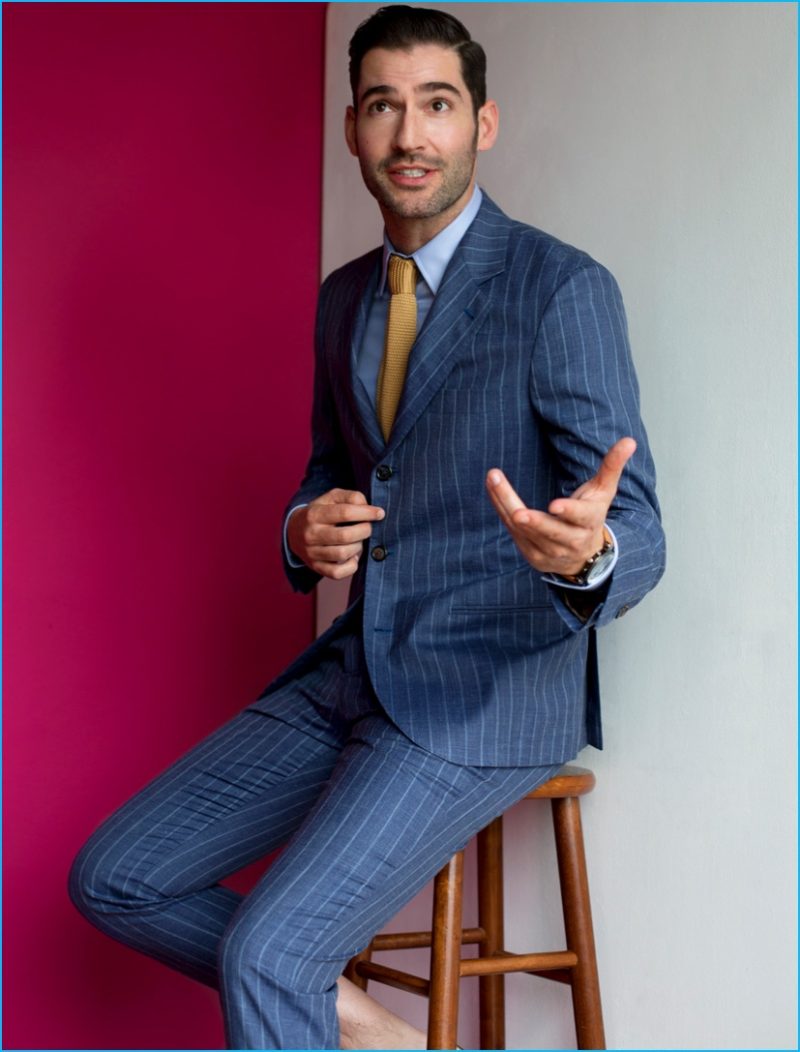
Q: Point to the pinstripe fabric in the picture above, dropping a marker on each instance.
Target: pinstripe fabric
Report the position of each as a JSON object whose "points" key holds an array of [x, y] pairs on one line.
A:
{"points": [[524, 364], [369, 816]]}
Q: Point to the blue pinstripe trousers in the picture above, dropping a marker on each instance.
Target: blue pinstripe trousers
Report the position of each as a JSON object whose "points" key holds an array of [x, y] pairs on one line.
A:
{"points": [[367, 818]]}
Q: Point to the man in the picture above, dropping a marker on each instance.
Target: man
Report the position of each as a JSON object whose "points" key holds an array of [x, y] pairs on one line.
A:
{"points": [[463, 672]]}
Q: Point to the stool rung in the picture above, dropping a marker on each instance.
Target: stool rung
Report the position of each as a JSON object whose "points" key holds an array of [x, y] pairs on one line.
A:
{"points": [[556, 975], [414, 940], [503, 961], [412, 984]]}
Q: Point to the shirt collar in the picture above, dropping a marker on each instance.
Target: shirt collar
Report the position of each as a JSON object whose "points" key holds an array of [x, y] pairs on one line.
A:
{"points": [[433, 257]]}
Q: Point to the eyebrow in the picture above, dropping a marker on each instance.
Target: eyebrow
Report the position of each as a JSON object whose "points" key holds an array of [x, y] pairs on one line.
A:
{"points": [[420, 89]]}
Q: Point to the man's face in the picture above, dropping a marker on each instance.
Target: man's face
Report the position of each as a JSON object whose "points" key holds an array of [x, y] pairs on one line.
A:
{"points": [[415, 132]]}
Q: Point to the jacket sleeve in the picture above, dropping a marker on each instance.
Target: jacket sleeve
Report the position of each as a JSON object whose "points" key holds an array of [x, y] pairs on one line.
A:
{"points": [[584, 389], [329, 464]]}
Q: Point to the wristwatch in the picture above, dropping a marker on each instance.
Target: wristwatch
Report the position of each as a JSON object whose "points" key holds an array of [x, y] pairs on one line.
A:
{"points": [[594, 566]]}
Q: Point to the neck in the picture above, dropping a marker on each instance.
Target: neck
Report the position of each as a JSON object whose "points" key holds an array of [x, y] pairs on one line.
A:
{"points": [[409, 234]]}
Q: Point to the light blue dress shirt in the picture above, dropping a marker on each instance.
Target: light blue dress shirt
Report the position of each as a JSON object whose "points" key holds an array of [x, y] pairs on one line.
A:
{"points": [[431, 260]]}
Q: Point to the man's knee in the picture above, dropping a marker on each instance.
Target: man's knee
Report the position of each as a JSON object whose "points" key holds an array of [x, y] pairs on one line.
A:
{"points": [[101, 879]]}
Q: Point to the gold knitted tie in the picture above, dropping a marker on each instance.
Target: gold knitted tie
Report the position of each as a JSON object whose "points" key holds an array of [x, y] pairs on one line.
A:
{"points": [[401, 331]]}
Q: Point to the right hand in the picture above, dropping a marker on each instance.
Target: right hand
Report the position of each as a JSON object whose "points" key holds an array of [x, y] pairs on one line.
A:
{"points": [[316, 536]]}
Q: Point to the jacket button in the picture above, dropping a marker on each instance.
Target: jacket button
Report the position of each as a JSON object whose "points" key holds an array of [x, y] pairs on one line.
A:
{"points": [[384, 473], [379, 553]]}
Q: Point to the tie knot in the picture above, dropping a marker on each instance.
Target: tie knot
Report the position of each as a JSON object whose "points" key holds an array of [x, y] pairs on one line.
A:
{"points": [[402, 276]]}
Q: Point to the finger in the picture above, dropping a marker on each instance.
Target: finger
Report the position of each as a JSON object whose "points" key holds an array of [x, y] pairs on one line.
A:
{"points": [[338, 553], [498, 507], [342, 496], [610, 471], [336, 571], [338, 535], [503, 495], [549, 534], [503, 515], [332, 514], [575, 512]]}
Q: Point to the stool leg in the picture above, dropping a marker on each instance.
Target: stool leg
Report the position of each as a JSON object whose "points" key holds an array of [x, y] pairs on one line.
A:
{"points": [[350, 971], [490, 918], [446, 954], [578, 922]]}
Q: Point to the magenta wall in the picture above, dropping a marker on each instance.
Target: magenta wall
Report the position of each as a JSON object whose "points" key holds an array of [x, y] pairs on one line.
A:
{"points": [[161, 249]]}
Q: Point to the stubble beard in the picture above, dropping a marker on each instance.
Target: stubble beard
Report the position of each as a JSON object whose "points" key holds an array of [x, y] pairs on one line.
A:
{"points": [[408, 203]]}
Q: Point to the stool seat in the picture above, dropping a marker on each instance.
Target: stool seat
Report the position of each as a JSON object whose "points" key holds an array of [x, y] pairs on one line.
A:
{"points": [[570, 781], [576, 965]]}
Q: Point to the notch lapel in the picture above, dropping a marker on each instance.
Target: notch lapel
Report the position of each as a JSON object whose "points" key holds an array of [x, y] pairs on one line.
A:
{"points": [[360, 401], [358, 413], [458, 309]]}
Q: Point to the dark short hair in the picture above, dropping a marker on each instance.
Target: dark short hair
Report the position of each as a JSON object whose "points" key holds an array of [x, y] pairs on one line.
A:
{"points": [[399, 27]]}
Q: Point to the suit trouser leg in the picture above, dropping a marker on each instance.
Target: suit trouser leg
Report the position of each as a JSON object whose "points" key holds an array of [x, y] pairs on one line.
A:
{"points": [[148, 876], [371, 818], [386, 822]]}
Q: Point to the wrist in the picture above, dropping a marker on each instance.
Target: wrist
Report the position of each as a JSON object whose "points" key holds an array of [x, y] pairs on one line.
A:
{"points": [[595, 566]]}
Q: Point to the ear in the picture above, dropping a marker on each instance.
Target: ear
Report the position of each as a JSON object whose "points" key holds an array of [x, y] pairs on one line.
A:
{"points": [[350, 130], [488, 124]]}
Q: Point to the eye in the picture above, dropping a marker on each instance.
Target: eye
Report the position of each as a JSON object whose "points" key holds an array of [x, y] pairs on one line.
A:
{"points": [[440, 105], [379, 106]]}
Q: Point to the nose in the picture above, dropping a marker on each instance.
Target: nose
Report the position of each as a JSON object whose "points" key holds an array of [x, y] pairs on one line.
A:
{"points": [[408, 137]]}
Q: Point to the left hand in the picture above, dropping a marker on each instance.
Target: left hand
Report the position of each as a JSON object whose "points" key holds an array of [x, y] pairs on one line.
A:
{"points": [[562, 539]]}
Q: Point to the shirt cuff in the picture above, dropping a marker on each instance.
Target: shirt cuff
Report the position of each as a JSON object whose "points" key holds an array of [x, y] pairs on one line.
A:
{"points": [[291, 558], [553, 578]]}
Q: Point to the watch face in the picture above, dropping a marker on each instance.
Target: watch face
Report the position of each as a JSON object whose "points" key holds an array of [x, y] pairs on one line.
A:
{"points": [[599, 566]]}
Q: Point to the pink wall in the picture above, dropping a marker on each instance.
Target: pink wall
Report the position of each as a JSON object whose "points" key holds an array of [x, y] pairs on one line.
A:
{"points": [[156, 384]]}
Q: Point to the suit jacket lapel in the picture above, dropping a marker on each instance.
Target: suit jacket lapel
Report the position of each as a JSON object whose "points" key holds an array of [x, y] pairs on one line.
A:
{"points": [[365, 410], [350, 390], [460, 305]]}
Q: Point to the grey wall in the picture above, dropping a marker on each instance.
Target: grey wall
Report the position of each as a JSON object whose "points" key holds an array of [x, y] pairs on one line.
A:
{"points": [[661, 138]]}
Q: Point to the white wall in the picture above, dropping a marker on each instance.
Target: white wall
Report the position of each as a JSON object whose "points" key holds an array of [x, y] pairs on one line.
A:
{"points": [[660, 137]]}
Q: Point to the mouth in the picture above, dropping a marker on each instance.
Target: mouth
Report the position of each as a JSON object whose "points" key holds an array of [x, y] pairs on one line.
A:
{"points": [[410, 174]]}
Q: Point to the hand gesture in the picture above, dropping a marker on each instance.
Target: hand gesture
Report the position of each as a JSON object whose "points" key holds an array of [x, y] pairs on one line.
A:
{"points": [[563, 538], [319, 534]]}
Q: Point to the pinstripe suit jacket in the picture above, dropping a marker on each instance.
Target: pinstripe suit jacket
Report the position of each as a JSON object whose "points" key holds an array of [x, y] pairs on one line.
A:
{"points": [[524, 364]]}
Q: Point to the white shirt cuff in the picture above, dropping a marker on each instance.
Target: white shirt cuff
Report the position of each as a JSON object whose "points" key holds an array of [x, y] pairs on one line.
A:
{"points": [[291, 558]]}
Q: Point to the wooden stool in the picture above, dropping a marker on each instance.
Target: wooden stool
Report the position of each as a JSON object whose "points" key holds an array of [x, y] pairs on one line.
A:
{"points": [[577, 965]]}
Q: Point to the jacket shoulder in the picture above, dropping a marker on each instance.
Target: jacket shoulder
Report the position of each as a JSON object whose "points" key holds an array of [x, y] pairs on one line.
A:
{"points": [[535, 251], [356, 272], [343, 289]]}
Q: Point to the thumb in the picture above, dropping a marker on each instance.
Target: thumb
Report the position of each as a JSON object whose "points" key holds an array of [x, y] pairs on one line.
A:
{"points": [[610, 470]]}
